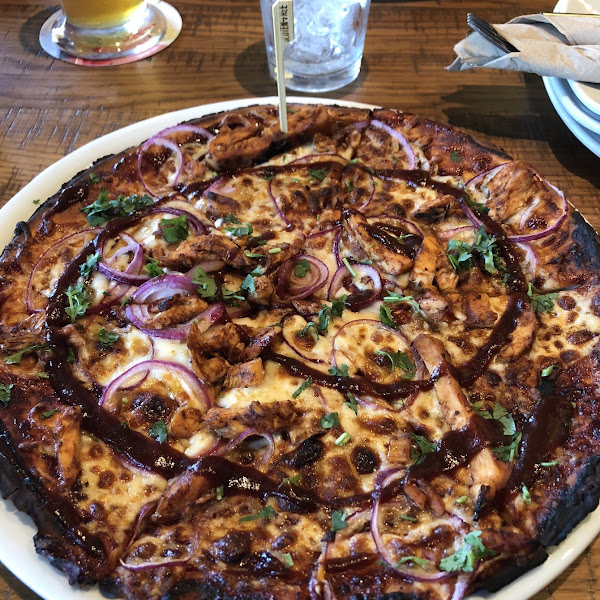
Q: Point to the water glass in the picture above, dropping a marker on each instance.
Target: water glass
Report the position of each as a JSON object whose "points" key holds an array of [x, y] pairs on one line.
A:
{"points": [[327, 49]]}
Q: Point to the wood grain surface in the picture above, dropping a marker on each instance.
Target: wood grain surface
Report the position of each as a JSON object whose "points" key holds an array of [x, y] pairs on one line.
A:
{"points": [[49, 108]]}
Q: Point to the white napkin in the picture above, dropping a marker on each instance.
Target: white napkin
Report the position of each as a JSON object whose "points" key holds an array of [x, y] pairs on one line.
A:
{"points": [[566, 47]]}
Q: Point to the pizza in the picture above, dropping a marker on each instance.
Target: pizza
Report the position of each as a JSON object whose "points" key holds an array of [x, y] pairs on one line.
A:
{"points": [[358, 360]]}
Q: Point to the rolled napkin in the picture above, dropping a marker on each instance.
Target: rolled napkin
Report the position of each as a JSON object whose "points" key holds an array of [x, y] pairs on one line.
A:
{"points": [[554, 45]]}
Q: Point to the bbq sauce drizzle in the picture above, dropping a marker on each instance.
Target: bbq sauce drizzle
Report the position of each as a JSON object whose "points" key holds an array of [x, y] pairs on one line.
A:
{"points": [[456, 448]]}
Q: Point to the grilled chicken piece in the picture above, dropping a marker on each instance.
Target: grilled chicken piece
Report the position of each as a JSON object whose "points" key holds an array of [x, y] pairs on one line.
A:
{"points": [[264, 290], [520, 340], [268, 416], [199, 248], [176, 310], [485, 469], [246, 374], [425, 266], [433, 305], [434, 210], [445, 275], [356, 227], [478, 311]]}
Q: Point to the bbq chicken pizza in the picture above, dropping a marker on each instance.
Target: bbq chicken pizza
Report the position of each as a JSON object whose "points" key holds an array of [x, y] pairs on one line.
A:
{"points": [[358, 360]]}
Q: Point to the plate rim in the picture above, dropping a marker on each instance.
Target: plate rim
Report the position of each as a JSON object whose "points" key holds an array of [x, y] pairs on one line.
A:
{"points": [[17, 551]]}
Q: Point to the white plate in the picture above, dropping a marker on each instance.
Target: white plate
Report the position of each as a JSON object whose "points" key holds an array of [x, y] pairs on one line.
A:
{"points": [[16, 549], [587, 93], [560, 95]]}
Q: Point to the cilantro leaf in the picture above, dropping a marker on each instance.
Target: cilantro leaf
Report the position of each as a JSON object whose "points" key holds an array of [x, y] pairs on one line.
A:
{"points": [[402, 360], [253, 254], [159, 431], [17, 357], [317, 174], [266, 513], [207, 287], [341, 371], [301, 268], [509, 452], [385, 316], [103, 209], [455, 156], [231, 218], [467, 555], [547, 371], [540, 302], [307, 329], [392, 297], [78, 299], [420, 448], [90, 264], [303, 386], [501, 414], [460, 255], [5, 391], [295, 480], [351, 403], [525, 494], [231, 297], [245, 229], [330, 420], [327, 312], [248, 284], [288, 560], [47, 414], [152, 267], [338, 520], [415, 560], [175, 230], [107, 338]]}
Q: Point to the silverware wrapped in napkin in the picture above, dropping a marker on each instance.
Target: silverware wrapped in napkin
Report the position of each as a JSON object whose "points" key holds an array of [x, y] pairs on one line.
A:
{"points": [[554, 44]]}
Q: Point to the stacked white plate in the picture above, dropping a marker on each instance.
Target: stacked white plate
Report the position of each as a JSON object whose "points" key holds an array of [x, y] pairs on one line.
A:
{"points": [[578, 104]]}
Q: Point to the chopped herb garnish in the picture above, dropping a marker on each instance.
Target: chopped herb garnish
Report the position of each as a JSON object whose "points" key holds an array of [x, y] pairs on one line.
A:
{"points": [[353, 161], [392, 297], [330, 420], [460, 253], [253, 254], [508, 453], [247, 284], [385, 316], [461, 500], [5, 391], [77, 297], [245, 229], [547, 371], [338, 520], [305, 331], [420, 448], [36, 201], [176, 229], [103, 209], [288, 560], [401, 360], [43, 375], [343, 439], [349, 186], [266, 513], [257, 271], [351, 403], [341, 371], [207, 287], [231, 218], [71, 355], [90, 264], [551, 463], [476, 206], [231, 297], [220, 492], [304, 385], [94, 178], [467, 555], [349, 267], [295, 480], [47, 414], [408, 518], [455, 156], [415, 560], [17, 357], [159, 431], [541, 302], [152, 267], [274, 250], [107, 338], [525, 494], [126, 300], [301, 268], [317, 174]]}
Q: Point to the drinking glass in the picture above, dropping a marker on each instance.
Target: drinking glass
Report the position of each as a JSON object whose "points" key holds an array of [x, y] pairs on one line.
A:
{"points": [[108, 30], [327, 49]]}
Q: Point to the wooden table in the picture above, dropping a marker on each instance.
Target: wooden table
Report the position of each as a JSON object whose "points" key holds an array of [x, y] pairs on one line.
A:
{"points": [[49, 108]]}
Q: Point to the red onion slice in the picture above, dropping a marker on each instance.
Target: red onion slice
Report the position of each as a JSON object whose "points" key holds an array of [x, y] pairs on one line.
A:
{"points": [[159, 180], [111, 401], [164, 287], [360, 295], [186, 128], [292, 287], [249, 433], [155, 564], [178, 207], [132, 274], [527, 213], [408, 151], [33, 294]]}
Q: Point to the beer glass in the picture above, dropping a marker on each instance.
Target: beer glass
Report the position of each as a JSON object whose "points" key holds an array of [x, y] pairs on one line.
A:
{"points": [[106, 30]]}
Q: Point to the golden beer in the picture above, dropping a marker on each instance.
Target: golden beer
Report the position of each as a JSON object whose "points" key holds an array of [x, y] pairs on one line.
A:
{"points": [[100, 14]]}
